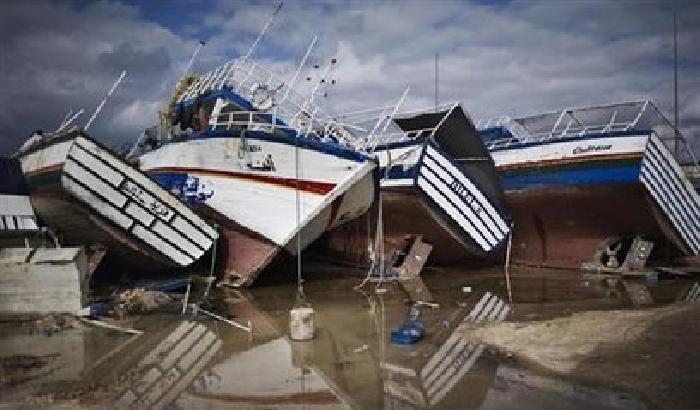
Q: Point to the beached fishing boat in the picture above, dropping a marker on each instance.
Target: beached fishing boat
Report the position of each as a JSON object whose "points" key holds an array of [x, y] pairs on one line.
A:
{"points": [[437, 180], [16, 212], [260, 160], [87, 195], [584, 181]]}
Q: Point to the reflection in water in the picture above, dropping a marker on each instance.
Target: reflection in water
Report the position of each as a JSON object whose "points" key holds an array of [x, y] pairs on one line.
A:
{"points": [[446, 367], [170, 367], [190, 364], [265, 377]]}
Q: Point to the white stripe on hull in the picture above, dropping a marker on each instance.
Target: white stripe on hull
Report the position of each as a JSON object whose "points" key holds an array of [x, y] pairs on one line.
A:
{"points": [[16, 213], [483, 202], [672, 191], [125, 197], [472, 211]]}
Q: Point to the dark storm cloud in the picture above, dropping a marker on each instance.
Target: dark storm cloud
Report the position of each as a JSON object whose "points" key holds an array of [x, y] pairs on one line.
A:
{"points": [[514, 58], [56, 56]]}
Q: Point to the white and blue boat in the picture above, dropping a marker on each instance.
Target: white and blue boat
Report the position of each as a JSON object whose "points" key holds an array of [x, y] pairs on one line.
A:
{"points": [[247, 151], [437, 180], [581, 181]]}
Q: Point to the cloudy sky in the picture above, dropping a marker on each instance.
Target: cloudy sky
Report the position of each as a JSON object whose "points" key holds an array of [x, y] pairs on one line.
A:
{"points": [[497, 58]]}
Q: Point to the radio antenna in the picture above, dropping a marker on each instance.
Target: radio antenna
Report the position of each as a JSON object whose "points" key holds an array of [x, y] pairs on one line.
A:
{"points": [[104, 100], [262, 32]]}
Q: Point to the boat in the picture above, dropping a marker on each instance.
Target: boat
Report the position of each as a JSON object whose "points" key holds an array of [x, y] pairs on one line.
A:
{"points": [[87, 195], [437, 180], [260, 160], [584, 182], [17, 217]]}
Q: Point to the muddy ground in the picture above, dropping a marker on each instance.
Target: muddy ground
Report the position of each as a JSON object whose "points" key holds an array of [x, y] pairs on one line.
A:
{"points": [[653, 353]]}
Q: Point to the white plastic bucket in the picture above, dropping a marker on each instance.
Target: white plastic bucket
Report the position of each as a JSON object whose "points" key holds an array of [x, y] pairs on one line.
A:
{"points": [[301, 323]]}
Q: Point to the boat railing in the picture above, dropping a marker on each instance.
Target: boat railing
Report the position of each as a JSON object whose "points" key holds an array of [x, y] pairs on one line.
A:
{"points": [[374, 128], [250, 120], [641, 116], [265, 90]]}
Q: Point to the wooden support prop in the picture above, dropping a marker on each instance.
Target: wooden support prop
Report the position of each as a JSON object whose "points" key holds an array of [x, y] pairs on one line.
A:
{"points": [[409, 271]]}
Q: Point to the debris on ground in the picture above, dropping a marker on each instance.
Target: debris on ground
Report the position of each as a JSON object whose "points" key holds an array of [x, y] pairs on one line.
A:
{"points": [[55, 323], [138, 300], [361, 349]]}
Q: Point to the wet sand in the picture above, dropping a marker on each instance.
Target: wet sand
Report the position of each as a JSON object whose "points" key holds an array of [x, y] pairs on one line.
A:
{"points": [[652, 353]]}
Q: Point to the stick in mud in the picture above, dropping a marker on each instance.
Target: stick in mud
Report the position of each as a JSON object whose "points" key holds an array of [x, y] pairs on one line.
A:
{"points": [[196, 309]]}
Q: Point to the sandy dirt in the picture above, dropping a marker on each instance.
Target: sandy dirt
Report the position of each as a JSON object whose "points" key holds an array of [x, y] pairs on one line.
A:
{"points": [[653, 353]]}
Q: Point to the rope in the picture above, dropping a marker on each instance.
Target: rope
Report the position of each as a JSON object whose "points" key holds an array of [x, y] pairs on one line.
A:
{"points": [[301, 297]]}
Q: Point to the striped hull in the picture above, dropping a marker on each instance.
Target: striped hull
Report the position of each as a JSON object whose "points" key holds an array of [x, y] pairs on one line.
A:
{"points": [[565, 204], [87, 196], [430, 195], [257, 206]]}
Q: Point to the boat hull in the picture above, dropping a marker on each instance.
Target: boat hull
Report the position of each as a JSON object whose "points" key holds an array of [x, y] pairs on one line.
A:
{"points": [[88, 196], [567, 197], [256, 206], [431, 196]]}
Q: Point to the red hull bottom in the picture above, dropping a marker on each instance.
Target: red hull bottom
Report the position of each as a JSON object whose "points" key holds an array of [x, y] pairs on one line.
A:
{"points": [[245, 256], [564, 227], [404, 214]]}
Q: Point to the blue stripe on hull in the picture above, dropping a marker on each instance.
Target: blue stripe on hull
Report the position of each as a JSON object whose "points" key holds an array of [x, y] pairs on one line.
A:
{"points": [[543, 178]]}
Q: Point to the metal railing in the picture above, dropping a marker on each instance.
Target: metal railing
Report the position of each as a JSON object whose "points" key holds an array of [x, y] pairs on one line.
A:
{"points": [[589, 120], [252, 81], [365, 124]]}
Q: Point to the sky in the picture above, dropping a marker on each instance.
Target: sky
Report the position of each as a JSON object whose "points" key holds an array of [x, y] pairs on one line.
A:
{"points": [[497, 58]]}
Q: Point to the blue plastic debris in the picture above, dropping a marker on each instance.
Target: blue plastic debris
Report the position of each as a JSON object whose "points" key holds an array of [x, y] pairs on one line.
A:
{"points": [[99, 309], [411, 331]]}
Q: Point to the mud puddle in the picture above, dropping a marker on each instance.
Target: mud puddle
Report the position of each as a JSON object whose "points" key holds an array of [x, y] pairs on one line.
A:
{"points": [[194, 363]]}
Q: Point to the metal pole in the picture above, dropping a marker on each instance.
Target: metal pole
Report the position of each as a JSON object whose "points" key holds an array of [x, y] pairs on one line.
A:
{"points": [[298, 70], [675, 84], [104, 100], [507, 264], [262, 32], [194, 55], [437, 79], [300, 282]]}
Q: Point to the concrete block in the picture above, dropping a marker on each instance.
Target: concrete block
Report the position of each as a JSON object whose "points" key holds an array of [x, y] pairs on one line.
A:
{"points": [[43, 280]]}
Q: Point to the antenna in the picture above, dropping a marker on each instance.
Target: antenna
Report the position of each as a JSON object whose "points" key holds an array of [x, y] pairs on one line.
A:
{"points": [[194, 55], [298, 70], [676, 137], [262, 32], [437, 79], [67, 121], [62, 124], [104, 100], [315, 90]]}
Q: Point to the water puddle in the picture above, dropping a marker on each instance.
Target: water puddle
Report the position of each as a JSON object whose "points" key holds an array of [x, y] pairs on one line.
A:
{"points": [[182, 362]]}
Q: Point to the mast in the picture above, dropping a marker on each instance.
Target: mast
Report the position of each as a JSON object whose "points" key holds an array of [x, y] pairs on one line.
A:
{"points": [[675, 84], [262, 32], [191, 62], [104, 100], [437, 79]]}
